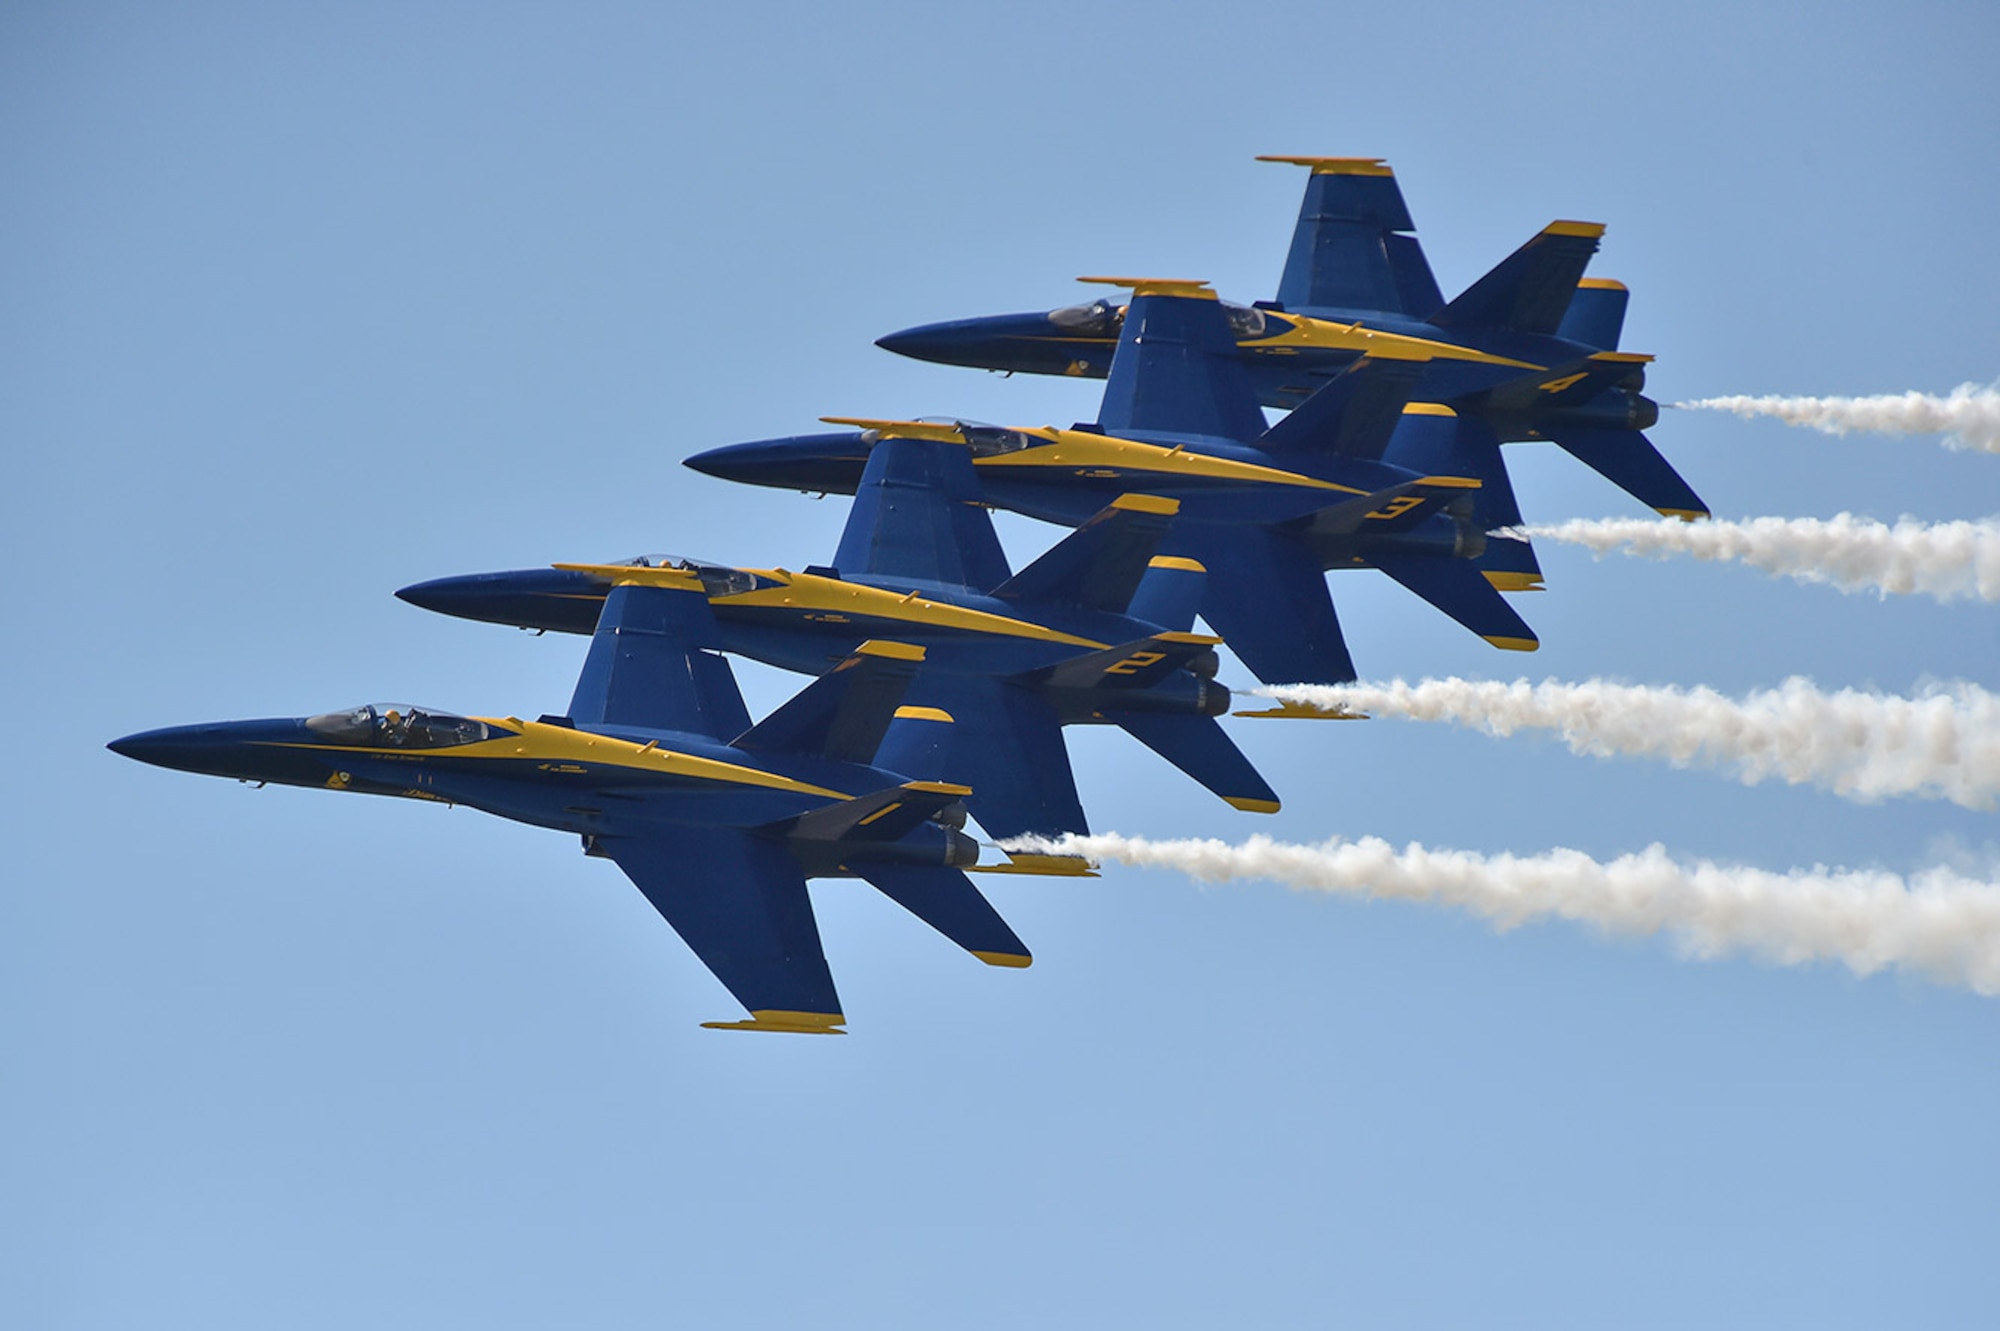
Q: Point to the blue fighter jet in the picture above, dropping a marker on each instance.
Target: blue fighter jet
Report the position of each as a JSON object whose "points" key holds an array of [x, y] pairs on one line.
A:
{"points": [[657, 767], [1093, 632], [1530, 349], [1358, 476]]}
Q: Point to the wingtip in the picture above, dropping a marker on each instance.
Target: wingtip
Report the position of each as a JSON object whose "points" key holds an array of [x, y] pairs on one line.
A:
{"points": [[784, 1023]]}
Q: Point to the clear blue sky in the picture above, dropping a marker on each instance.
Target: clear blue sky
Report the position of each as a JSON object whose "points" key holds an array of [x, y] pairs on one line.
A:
{"points": [[300, 304]]}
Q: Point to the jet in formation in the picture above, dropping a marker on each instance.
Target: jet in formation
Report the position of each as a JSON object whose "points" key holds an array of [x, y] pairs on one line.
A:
{"points": [[1531, 348], [1095, 631], [657, 768]]}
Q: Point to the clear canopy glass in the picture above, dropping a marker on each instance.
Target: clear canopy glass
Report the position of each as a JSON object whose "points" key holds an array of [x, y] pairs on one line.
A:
{"points": [[398, 726]]}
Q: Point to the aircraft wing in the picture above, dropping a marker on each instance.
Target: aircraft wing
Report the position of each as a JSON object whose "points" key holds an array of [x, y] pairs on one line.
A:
{"points": [[917, 514], [1176, 370], [646, 666], [741, 903], [1139, 664], [1352, 248]]}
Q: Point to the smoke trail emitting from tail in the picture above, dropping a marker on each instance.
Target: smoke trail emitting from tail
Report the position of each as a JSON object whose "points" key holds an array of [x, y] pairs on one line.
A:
{"points": [[1945, 560], [1938, 923], [1968, 416], [1942, 744]]}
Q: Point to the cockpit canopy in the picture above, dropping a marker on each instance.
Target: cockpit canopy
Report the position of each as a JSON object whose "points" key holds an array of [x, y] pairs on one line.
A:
{"points": [[1101, 318], [716, 579], [395, 725]]}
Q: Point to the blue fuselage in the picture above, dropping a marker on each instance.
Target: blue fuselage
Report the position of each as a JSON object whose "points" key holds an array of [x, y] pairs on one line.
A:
{"points": [[612, 782]]}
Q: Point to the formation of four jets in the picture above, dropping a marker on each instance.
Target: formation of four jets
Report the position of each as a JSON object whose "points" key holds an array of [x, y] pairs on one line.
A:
{"points": [[944, 676]]}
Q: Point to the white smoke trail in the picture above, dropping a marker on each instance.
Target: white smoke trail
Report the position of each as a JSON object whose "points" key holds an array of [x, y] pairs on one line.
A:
{"points": [[1942, 744], [1968, 416], [1945, 560], [1938, 923]]}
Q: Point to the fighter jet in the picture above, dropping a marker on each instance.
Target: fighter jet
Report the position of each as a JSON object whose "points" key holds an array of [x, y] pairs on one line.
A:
{"points": [[1531, 348], [657, 767], [1358, 476], [1093, 632]]}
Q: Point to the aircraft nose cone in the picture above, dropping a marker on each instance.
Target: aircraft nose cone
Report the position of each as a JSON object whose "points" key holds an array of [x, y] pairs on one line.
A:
{"points": [[446, 596], [1030, 343], [184, 748], [919, 343], [274, 749], [824, 463], [550, 599]]}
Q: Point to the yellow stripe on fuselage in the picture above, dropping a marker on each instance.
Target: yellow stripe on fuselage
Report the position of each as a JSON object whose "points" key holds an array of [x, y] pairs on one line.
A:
{"points": [[1306, 331], [809, 591], [579, 748], [1070, 449], [813, 594]]}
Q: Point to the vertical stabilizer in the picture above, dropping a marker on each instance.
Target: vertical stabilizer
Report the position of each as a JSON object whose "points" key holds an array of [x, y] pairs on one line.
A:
{"points": [[1351, 249], [1176, 370], [1170, 593], [646, 667], [916, 515], [1596, 314], [1434, 440]]}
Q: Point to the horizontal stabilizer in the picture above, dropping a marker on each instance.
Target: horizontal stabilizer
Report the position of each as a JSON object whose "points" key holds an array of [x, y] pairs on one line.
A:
{"points": [[1353, 416], [1046, 866], [1176, 370], [947, 901], [844, 713], [1292, 710], [1350, 248], [917, 514], [646, 667], [1528, 291], [1596, 315], [1170, 593], [741, 904], [886, 815], [1389, 511], [1139, 664], [1629, 461], [1198, 746], [1099, 565], [1266, 595], [1457, 587], [1571, 384]]}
